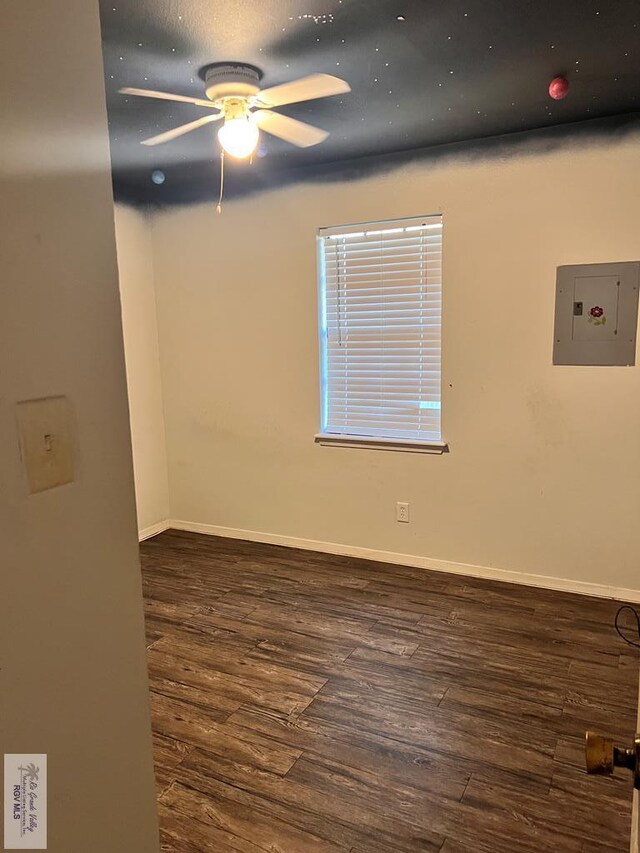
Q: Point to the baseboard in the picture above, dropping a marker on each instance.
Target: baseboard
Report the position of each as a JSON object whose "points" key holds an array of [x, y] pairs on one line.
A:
{"points": [[153, 530], [415, 561]]}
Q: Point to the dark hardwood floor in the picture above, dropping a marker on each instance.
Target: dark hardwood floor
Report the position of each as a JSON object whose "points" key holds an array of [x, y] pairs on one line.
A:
{"points": [[306, 702]]}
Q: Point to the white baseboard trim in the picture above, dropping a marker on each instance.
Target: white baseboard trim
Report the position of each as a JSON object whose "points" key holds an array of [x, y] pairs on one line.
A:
{"points": [[153, 530], [468, 569]]}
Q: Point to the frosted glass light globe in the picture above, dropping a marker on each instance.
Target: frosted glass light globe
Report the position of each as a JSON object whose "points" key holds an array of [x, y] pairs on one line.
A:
{"points": [[239, 137]]}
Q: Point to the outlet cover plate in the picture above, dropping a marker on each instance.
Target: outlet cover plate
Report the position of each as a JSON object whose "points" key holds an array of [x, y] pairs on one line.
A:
{"points": [[402, 512]]}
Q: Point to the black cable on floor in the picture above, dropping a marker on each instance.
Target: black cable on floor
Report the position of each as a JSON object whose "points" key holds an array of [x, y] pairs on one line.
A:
{"points": [[620, 631]]}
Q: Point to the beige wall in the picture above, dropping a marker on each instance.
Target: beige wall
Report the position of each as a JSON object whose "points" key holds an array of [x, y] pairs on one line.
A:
{"points": [[544, 470], [135, 266], [73, 677]]}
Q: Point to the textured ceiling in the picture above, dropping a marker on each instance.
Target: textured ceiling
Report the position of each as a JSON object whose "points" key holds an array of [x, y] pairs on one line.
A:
{"points": [[452, 71]]}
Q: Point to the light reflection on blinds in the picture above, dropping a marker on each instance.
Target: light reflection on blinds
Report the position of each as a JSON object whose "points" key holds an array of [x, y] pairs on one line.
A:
{"points": [[380, 329]]}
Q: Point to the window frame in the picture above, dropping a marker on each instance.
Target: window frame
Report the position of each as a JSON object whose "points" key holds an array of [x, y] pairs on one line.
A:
{"points": [[336, 439]]}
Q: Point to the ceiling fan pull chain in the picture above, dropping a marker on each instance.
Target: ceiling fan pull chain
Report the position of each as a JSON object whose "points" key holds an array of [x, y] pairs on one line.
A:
{"points": [[219, 205]]}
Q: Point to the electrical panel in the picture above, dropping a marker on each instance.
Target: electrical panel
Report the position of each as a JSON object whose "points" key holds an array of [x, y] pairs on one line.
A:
{"points": [[596, 314]]}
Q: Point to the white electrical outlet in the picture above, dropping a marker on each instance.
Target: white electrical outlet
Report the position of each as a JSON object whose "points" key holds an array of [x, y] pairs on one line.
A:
{"points": [[402, 512]]}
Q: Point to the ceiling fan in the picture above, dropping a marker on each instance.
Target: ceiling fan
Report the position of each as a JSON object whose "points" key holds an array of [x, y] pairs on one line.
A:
{"points": [[233, 91]]}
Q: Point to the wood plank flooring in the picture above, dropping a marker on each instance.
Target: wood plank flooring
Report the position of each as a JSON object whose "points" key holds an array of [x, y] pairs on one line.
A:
{"points": [[307, 703]]}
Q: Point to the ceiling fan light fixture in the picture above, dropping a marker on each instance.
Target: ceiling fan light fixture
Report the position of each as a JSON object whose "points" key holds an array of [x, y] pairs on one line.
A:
{"points": [[239, 137], [235, 96]]}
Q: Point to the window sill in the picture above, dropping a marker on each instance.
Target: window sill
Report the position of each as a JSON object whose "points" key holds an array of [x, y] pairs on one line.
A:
{"points": [[368, 442]]}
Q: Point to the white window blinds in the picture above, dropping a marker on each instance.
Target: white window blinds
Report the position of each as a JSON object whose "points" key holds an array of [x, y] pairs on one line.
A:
{"points": [[380, 329]]}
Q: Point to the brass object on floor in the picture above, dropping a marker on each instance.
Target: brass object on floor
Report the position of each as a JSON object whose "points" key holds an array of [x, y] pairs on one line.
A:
{"points": [[602, 756]]}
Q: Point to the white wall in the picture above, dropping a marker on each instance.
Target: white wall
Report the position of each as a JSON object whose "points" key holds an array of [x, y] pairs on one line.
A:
{"points": [[543, 473], [73, 676], [135, 266]]}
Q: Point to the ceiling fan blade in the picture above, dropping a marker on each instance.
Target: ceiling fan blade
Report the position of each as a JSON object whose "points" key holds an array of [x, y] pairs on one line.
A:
{"points": [[178, 131], [304, 89], [290, 129], [166, 96]]}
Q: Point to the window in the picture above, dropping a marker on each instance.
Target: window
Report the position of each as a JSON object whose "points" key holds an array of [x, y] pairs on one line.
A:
{"points": [[380, 333]]}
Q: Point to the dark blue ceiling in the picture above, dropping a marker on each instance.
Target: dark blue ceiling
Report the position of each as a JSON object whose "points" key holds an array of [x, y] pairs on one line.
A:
{"points": [[451, 73]]}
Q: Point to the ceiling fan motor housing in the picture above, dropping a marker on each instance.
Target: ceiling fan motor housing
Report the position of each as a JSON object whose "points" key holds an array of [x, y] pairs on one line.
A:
{"points": [[231, 80]]}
